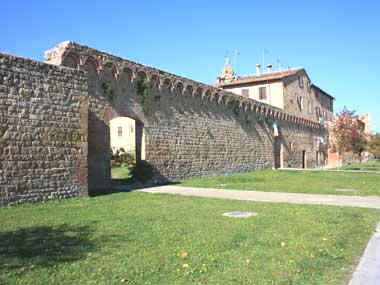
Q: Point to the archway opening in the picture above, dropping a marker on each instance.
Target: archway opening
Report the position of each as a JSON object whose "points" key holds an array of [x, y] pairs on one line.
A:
{"points": [[127, 147]]}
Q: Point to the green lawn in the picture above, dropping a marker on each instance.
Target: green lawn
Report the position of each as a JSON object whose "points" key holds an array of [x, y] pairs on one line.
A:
{"points": [[313, 182], [372, 165], [138, 238], [120, 172]]}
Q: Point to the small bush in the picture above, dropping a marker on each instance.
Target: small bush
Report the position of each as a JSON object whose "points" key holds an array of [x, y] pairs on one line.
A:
{"points": [[122, 158], [142, 171]]}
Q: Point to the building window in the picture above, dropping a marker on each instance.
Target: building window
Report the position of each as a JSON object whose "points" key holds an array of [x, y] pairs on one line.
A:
{"points": [[245, 92], [300, 102], [318, 112], [120, 131], [262, 93], [300, 81], [131, 129], [310, 108], [291, 145], [324, 115], [308, 87]]}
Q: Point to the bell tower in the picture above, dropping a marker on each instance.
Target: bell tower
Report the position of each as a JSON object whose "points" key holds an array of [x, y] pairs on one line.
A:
{"points": [[227, 72]]}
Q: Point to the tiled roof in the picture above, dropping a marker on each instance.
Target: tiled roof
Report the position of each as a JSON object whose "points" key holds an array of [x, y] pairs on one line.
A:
{"points": [[263, 77]]}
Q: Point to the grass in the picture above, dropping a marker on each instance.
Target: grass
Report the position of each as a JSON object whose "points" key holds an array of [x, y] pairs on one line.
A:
{"points": [[371, 165], [312, 182], [119, 172], [138, 238]]}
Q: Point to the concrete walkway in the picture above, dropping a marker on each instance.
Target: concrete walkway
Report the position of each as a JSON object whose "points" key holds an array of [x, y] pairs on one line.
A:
{"points": [[368, 270], [297, 198], [330, 169]]}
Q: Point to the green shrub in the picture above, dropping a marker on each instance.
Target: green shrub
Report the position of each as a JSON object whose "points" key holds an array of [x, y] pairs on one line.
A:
{"points": [[122, 158], [142, 171]]}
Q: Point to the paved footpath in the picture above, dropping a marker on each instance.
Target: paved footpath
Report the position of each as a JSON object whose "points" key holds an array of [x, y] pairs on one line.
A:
{"points": [[297, 198]]}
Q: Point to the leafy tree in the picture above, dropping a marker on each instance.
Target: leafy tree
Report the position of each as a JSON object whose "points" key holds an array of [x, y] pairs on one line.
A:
{"points": [[348, 134], [374, 145], [359, 139]]}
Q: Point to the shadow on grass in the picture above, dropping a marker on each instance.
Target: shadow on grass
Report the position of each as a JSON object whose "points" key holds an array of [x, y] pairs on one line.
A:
{"points": [[44, 246]]}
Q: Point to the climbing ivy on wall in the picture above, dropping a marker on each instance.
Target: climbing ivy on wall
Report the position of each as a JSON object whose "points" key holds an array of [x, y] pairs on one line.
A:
{"points": [[233, 104], [143, 92], [108, 91]]}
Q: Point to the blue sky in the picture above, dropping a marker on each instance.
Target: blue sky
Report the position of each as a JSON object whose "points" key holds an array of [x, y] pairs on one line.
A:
{"points": [[338, 42]]}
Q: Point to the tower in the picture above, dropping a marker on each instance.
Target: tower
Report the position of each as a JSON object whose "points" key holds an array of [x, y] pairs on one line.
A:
{"points": [[227, 72]]}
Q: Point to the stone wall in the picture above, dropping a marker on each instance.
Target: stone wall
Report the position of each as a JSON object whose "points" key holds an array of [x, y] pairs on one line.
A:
{"points": [[54, 125], [43, 131], [191, 129], [292, 93]]}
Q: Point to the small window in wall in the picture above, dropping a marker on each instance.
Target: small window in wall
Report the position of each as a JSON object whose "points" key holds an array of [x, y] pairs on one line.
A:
{"points": [[324, 115], [317, 112], [300, 102], [308, 87], [131, 129], [300, 81], [291, 145], [262, 93], [245, 92], [119, 131], [310, 108]]}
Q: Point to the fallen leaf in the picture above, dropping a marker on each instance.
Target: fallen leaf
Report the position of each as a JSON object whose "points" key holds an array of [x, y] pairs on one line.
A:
{"points": [[183, 254]]}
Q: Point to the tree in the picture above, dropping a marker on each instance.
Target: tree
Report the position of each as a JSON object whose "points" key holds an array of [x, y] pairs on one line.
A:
{"points": [[348, 134], [374, 145], [359, 139]]}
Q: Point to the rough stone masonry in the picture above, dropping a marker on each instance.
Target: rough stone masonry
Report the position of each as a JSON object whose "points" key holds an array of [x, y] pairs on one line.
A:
{"points": [[54, 125]]}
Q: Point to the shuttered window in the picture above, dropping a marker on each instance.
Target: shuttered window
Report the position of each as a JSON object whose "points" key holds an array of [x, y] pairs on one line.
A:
{"points": [[262, 93]]}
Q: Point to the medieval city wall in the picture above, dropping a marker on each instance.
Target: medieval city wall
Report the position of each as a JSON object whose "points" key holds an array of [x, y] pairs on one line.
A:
{"points": [[43, 131], [55, 137], [191, 129]]}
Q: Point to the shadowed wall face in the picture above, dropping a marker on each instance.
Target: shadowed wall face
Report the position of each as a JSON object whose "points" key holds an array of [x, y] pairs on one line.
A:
{"points": [[43, 131]]}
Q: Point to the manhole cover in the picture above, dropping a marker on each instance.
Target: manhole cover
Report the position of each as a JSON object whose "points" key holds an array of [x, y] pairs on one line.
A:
{"points": [[240, 214]]}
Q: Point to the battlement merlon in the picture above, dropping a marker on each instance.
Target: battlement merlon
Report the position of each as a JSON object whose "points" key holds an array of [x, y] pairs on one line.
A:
{"points": [[75, 55]]}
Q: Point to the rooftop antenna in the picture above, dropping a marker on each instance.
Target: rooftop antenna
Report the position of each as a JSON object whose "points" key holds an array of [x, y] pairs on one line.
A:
{"points": [[264, 50], [236, 53], [279, 63]]}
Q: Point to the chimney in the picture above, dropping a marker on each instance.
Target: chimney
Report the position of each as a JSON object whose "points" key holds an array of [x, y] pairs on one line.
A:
{"points": [[269, 68], [258, 71]]}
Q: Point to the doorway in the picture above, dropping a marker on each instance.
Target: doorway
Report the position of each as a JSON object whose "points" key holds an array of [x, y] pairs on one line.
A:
{"points": [[304, 164], [317, 158], [127, 147], [278, 153]]}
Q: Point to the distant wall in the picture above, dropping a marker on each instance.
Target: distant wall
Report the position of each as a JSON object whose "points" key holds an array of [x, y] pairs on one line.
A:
{"points": [[43, 131], [122, 132], [274, 92]]}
